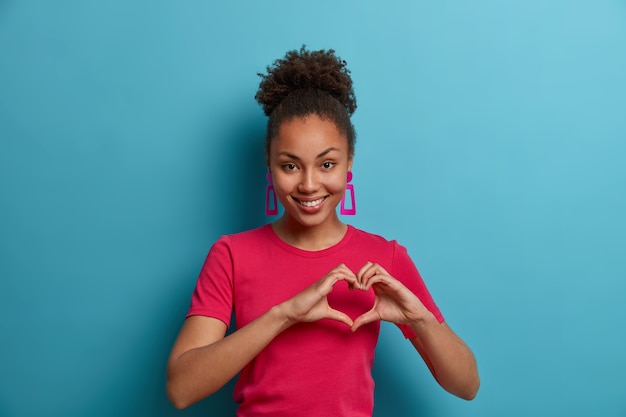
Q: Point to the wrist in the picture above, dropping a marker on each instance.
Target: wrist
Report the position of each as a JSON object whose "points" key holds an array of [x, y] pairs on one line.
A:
{"points": [[422, 324], [279, 312]]}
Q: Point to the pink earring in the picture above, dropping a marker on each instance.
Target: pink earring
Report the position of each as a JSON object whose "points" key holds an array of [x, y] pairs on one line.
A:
{"points": [[349, 188], [270, 210]]}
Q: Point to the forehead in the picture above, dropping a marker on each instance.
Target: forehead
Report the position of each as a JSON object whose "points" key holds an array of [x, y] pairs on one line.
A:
{"points": [[308, 135]]}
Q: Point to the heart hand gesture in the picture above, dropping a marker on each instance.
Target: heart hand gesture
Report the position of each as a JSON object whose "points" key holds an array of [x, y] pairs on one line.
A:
{"points": [[394, 302], [312, 303]]}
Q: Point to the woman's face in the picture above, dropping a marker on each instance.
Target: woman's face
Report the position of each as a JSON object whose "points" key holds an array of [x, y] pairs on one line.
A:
{"points": [[309, 161]]}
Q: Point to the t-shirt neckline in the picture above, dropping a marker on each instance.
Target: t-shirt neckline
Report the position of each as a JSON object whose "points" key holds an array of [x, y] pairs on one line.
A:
{"points": [[309, 253]]}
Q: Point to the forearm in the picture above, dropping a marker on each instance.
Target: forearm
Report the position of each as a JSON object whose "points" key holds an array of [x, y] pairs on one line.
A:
{"points": [[450, 360], [199, 372]]}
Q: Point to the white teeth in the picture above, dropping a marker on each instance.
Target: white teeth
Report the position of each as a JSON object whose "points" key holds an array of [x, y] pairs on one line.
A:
{"points": [[311, 203]]}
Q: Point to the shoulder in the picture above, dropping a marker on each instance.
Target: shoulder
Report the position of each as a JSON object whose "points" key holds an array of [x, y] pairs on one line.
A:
{"points": [[371, 240], [395, 253], [248, 237], [380, 249], [251, 244]]}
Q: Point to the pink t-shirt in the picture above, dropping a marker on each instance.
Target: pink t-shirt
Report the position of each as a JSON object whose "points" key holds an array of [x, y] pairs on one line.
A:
{"points": [[311, 369]]}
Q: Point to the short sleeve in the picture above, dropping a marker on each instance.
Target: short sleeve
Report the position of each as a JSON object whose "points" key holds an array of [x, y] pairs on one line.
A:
{"points": [[405, 271], [213, 295]]}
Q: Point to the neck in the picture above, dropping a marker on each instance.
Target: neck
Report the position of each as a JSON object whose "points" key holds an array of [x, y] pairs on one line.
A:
{"points": [[310, 237]]}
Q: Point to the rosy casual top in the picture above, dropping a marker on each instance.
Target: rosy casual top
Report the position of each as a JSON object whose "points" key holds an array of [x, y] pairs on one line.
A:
{"points": [[311, 369]]}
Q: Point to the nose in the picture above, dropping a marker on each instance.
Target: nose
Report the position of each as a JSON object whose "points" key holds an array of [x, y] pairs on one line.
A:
{"points": [[308, 182]]}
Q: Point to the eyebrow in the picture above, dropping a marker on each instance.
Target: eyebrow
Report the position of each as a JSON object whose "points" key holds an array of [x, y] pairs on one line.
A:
{"points": [[324, 153]]}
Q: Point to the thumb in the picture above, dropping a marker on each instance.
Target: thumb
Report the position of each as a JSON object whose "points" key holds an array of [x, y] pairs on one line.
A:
{"points": [[365, 318], [339, 316]]}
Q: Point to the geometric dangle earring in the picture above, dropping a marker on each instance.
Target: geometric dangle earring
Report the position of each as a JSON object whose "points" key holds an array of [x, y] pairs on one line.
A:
{"points": [[348, 211], [270, 210]]}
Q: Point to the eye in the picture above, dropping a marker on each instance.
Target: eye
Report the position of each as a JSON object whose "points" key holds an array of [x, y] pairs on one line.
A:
{"points": [[290, 167], [328, 165]]}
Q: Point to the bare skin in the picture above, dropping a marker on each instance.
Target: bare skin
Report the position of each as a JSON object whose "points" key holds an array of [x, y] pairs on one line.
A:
{"points": [[309, 161], [203, 360], [449, 359]]}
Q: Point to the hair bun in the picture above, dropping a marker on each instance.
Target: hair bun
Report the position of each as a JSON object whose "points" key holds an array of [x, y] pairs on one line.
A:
{"points": [[303, 69]]}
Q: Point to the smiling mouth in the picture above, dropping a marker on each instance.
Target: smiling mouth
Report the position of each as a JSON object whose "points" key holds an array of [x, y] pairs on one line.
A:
{"points": [[312, 203]]}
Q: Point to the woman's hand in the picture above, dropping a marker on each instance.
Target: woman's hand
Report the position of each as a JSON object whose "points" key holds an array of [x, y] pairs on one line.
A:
{"points": [[394, 302], [449, 359], [312, 303]]}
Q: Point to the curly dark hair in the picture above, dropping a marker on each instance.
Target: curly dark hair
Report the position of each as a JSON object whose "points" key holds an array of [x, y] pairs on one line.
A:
{"points": [[304, 83]]}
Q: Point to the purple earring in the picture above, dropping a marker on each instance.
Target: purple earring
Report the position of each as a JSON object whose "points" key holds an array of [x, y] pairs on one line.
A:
{"points": [[270, 210], [349, 188]]}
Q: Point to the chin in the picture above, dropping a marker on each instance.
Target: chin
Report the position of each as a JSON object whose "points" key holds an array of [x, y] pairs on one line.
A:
{"points": [[314, 220]]}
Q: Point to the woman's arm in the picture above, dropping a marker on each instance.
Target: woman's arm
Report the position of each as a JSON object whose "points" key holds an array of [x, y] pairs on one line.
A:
{"points": [[203, 360], [449, 359], [447, 356]]}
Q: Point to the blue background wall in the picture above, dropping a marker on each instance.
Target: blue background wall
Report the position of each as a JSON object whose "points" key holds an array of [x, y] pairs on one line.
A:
{"points": [[491, 143]]}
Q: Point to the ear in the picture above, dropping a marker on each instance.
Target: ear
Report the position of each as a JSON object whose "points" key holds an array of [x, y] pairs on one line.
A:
{"points": [[349, 163]]}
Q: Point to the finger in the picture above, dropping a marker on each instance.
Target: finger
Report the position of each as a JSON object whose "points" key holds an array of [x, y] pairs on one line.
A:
{"points": [[347, 275], [367, 265], [327, 283], [345, 270], [385, 281], [343, 267], [381, 270], [372, 275], [339, 316], [367, 317], [367, 271], [371, 268], [363, 273]]}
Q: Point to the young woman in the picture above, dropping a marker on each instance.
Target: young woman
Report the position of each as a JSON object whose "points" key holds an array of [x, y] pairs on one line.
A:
{"points": [[308, 291]]}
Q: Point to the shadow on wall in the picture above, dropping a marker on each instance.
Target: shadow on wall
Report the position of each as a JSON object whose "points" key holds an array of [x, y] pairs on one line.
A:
{"points": [[391, 378], [234, 195], [240, 179], [148, 397], [236, 200]]}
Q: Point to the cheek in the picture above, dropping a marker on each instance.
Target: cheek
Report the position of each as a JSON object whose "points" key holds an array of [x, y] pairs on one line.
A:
{"points": [[283, 186], [339, 181]]}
